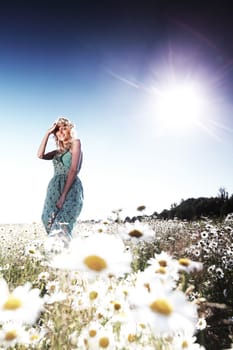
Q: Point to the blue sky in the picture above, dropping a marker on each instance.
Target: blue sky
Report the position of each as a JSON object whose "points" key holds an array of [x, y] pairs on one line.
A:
{"points": [[102, 66]]}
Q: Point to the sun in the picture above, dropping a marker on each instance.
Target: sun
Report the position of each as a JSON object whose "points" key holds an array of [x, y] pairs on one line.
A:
{"points": [[179, 106]]}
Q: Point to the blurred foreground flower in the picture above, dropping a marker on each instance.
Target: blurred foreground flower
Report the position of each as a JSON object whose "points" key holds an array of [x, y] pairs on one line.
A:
{"points": [[167, 311], [12, 334], [97, 255], [22, 305]]}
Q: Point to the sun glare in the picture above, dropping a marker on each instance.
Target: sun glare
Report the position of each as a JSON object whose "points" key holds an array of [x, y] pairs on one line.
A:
{"points": [[179, 106]]}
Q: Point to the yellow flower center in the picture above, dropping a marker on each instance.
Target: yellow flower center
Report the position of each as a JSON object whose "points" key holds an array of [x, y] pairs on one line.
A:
{"points": [[163, 263], [34, 337], [12, 303], [104, 342], [10, 335], [162, 306], [73, 281], [184, 344], [142, 325], [92, 333], [93, 295], [131, 338], [95, 263], [161, 270], [184, 261], [135, 233], [117, 306], [52, 288]]}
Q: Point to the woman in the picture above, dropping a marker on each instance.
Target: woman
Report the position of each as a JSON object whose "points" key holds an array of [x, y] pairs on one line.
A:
{"points": [[64, 199]]}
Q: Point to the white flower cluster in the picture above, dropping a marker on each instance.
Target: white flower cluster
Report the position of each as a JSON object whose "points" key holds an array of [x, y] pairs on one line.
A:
{"points": [[145, 307], [93, 279], [19, 310]]}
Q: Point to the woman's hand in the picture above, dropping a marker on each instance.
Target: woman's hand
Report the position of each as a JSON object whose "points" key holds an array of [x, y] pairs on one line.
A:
{"points": [[60, 202], [41, 151], [52, 129]]}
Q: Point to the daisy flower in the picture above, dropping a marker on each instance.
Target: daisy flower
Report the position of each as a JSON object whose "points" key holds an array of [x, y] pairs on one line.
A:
{"points": [[43, 276], [96, 255], [137, 231], [36, 336], [166, 311], [87, 335], [101, 228], [12, 334], [23, 304], [187, 265], [92, 296], [185, 342], [103, 339], [163, 267], [133, 336], [114, 308], [154, 274], [32, 251], [163, 259], [201, 323]]}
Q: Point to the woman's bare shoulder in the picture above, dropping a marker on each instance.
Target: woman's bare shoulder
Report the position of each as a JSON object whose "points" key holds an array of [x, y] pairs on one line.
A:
{"points": [[76, 143], [77, 140]]}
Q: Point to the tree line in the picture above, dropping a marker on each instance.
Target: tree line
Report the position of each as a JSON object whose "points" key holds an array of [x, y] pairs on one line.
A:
{"points": [[195, 208]]}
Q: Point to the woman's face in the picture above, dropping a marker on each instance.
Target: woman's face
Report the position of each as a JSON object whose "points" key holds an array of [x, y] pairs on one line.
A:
{"points": [[63, 133]]}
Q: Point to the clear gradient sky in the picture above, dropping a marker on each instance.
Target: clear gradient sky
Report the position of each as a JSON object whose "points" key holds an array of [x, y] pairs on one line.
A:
{"points": [[103, 64]]}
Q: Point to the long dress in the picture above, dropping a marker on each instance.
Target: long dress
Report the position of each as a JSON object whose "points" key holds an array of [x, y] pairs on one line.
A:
{"points": [[65, 218]]}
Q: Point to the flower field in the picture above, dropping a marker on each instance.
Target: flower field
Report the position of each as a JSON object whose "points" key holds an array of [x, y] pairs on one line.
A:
{"points": [[153, 284]]}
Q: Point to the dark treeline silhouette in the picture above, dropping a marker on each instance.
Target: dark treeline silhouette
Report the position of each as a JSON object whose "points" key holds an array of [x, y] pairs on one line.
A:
{"points": [[195, 208]]}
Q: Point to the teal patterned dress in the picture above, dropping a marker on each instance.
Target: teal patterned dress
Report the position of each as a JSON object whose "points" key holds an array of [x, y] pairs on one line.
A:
{"points": [[66, 217]]}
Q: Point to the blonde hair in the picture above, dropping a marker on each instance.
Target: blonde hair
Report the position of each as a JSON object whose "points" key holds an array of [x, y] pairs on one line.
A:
{"points": [[64, 146]]}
